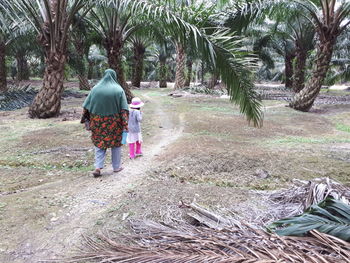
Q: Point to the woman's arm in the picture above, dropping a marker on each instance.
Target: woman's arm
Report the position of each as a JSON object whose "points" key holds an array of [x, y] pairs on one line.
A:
{"points": [[85, 116], [125, 118]]}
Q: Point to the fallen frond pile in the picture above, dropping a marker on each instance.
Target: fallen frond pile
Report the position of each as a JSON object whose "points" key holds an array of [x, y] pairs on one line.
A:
{"points": [[302, 195], [225, 241], [214, 238]]}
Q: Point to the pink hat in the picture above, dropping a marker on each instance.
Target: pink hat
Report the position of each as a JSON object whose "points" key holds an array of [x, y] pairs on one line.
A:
{"points": [[136, 103]]}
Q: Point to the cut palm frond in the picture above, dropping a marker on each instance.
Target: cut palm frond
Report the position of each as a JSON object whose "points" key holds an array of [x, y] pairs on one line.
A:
{"points": [[231, 242], [330, 216]]}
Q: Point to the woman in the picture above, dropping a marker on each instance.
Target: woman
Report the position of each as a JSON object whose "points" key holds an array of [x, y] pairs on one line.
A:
{"points": [[108, 110]]}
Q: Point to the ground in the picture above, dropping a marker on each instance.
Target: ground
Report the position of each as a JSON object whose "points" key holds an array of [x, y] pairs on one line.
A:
{"points": [[196, 147]]}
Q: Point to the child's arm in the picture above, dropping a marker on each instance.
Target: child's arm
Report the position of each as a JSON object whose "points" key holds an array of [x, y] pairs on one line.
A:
{"points": [[139, 116]]}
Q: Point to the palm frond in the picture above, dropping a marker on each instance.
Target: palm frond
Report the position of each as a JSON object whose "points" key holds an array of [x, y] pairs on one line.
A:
{"points": [[221, 49], [331, 217]]}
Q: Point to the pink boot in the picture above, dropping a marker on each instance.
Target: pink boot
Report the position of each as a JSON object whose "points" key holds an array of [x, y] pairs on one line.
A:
{"points": [[138, 149], [132, 150]]}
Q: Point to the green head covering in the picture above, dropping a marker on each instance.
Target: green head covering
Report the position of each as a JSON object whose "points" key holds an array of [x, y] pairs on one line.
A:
{"points": [[107, 97]]}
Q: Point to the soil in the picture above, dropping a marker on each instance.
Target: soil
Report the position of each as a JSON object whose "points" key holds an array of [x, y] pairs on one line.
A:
{"points": [[195, 148]]}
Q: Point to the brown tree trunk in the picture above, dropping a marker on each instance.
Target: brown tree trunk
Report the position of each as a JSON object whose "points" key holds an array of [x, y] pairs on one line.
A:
{"points": [[162, 73], [90, 69], [288, 62], [47, 102], [83, 82], [139, 52], [299, 70], [304, 100], [114, 54], [180, 67], [189, 64], [213, 81], [80, 46], [22, 67], [3, 82], [202, 72]]}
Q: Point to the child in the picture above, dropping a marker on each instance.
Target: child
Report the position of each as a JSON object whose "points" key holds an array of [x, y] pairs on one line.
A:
{"points": [[134, 126]]}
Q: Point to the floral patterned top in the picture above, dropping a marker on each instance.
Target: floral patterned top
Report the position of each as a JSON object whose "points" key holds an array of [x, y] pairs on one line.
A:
{"points": [[107, 130]]}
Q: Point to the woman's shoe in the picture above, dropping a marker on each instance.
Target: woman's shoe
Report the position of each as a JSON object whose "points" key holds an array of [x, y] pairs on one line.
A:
{"points": [[118, 170], [96, 173]]}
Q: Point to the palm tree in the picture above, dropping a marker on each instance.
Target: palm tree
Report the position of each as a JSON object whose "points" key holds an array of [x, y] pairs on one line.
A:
{"points": [[140, 41], [139, 49], [116, 23], [161, 58], [96, 59], [196, 13], [21, 48], [217, 47], [330, 18], [52, 20], [294, 28], [4, 29], [162, 70], [82, 38], [293, 38], [8, 30], [340, 64]]}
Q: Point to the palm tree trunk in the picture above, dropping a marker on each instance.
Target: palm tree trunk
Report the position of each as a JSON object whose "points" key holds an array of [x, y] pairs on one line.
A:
{"points": [[213, 81], [47, 103], [90, 69], [162, 73], [299, 70], [288, 62], [83, 82], [139, 52], [22, 67], [114, 54], [180, 66], [304, 100], [202, 72], [82, 74], [3, 82], [189, 64]]}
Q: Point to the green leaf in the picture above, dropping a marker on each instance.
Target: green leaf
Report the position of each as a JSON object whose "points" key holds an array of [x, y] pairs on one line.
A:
{"points": [[330, 216]]}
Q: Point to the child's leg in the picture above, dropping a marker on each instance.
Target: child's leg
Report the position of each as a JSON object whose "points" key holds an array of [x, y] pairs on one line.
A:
{"points": [[100, 155], [116, 157], [132, 150], [138, 148]]}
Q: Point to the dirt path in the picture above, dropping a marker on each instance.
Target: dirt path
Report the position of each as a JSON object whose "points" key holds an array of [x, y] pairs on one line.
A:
{"points": [[93, 197]]}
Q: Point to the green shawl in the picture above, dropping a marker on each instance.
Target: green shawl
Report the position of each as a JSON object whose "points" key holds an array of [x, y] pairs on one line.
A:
{"points": [[107, 97]]}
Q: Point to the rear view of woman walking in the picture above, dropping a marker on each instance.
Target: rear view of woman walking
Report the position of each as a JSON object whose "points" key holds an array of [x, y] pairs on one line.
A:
{"points": [[106, 109]]}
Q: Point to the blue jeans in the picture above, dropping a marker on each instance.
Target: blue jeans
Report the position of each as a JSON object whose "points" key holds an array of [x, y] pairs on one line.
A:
{"points": [[100, 155]]}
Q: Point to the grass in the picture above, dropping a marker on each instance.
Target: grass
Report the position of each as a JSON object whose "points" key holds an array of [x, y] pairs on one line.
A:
{"points": [[152, 93], [227, 136], [343, 127], [297, 140], [24, 161], [217, 109]]}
